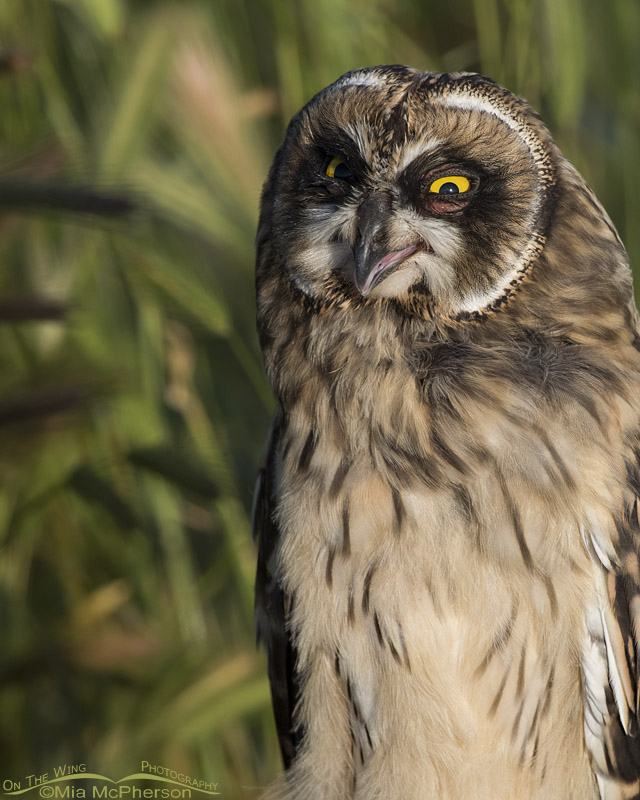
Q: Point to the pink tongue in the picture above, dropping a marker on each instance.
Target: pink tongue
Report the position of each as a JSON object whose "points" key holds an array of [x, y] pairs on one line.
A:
{"points": [[390, 260]]}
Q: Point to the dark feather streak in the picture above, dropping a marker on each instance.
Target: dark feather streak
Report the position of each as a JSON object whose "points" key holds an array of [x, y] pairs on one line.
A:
{"points": [[367, 588], [398, 508], [376, 623], [339, 478], [496, 700], [329, 570], [307, 451], [346, 542]]}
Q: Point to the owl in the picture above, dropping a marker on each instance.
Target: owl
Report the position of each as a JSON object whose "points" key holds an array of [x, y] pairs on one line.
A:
{"points": [[448, 584]]}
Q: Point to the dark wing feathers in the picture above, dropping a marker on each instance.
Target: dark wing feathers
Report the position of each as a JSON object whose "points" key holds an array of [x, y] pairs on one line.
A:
{"points": [[610, 663], [272, 606]]}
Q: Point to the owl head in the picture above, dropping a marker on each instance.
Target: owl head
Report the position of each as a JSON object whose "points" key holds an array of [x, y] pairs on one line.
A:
{"points": [[434, 194]]}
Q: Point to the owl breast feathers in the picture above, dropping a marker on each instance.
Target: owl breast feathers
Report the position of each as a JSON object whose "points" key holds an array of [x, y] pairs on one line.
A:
{"points": [[448, 582]]}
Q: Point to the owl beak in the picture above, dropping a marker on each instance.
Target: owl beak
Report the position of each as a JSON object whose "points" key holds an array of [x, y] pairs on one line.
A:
{"points": [[373, 261], [372, 273]]}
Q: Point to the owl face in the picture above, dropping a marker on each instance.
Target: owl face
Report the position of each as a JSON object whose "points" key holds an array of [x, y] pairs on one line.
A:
{"points": [[428, 191]]}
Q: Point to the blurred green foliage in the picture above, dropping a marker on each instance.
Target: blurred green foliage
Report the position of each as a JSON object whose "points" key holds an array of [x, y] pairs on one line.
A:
{"points": [[132, 401]]}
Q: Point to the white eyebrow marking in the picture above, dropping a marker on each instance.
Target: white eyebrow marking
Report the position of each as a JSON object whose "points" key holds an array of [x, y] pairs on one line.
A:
{"points": [[479, 104], [360, 135], [413, 150], [359, 79]]}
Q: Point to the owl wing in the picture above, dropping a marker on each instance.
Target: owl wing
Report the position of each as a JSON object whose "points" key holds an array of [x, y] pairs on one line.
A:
{"points": [[610, 662], [272, 605]]}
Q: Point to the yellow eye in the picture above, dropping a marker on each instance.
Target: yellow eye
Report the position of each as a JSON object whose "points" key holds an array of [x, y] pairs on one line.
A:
{"points": [[450, 184], [336, 168]]}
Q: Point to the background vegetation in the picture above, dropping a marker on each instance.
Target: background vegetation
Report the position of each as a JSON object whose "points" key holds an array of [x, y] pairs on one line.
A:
{"points": [[132, 402]]}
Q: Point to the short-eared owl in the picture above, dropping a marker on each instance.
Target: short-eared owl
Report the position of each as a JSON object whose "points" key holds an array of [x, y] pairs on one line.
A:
{"points": [[448, 584]]}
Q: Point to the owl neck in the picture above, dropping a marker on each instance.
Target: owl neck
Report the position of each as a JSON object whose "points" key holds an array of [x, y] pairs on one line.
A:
{"points": [[416, 404], [329, 346]]}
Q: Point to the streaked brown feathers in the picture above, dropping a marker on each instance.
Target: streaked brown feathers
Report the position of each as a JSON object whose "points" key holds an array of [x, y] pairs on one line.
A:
{"points": [[448, 582]]}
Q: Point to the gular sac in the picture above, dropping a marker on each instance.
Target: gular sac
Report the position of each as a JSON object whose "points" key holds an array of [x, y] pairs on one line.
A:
{"points": [[447, 512]]}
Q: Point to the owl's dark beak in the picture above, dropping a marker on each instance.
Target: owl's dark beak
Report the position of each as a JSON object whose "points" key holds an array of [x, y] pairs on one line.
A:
{"points": [[373, 260]]}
